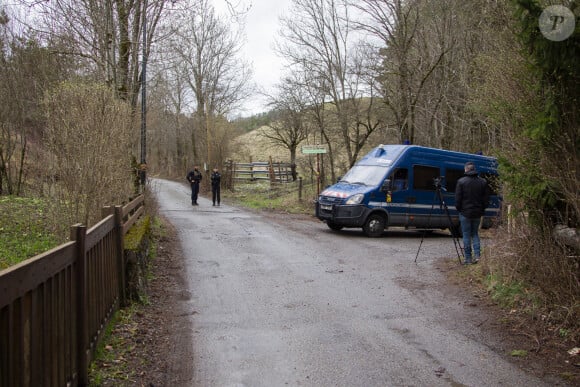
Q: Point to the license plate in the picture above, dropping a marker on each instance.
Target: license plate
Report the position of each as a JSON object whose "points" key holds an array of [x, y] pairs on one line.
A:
{"points": [[325, 207]]}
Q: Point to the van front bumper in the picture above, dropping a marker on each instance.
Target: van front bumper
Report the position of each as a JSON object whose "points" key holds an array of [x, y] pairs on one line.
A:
{"points": [[347, 215]]}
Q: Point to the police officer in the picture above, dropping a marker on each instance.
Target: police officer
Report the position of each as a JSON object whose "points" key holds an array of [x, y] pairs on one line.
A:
{"points": [[215, 186], [194, 177]]}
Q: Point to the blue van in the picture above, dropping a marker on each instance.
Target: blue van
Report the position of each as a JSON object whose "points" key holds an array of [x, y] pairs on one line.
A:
{"points": [[404, 186]]}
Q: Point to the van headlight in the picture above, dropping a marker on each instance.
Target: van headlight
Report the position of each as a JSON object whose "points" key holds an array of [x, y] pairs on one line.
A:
{"points": [[355, 199]]}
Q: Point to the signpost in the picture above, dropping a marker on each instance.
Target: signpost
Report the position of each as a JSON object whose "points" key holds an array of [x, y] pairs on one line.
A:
{"points": [[317, 150], [313, 149]]}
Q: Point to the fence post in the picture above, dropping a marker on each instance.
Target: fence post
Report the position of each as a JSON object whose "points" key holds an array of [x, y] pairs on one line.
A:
{"points": [[78, 233], [300, 188], [106, 211], [271, 171], [232, 175], [279, 177], [226, 174], [120, 249]]}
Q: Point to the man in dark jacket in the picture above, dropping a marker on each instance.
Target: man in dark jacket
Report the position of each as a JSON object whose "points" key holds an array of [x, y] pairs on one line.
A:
{"points": [[471, 199], [216, 178], [194, 178]]}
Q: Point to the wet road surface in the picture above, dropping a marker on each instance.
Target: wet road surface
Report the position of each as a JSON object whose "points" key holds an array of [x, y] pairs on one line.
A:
{"points": [[284, 301]]}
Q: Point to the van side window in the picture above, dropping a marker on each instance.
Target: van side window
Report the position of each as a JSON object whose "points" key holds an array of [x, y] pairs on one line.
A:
{"points": [[451, 177], [424, 177], [400, 179]]}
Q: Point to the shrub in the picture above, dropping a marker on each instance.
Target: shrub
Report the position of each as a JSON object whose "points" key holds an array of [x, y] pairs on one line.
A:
{"points": [[88, 142]]}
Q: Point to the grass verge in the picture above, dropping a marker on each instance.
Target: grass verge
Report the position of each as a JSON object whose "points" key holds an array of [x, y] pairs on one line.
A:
{"points": [[24, 229], [109, 367], [284, 197]]}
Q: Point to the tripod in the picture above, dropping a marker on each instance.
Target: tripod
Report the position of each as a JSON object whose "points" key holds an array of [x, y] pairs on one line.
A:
{"points": [[442, 205]]}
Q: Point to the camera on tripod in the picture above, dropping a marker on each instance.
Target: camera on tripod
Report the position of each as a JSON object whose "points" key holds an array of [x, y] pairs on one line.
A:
{"points": [[438, 182]]}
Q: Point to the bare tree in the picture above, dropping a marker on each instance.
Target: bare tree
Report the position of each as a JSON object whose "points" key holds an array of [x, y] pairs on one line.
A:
{"points": [[317, 40], [104, 36], [289, 126], [210, 50], [12, 136], [26, 70], [321, 130], [406, 66], [171, 131], [365, 107]]}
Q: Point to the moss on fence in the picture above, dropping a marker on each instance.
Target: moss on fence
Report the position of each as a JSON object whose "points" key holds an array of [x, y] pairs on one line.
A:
{"points": [[135, 235], [137, 247]]}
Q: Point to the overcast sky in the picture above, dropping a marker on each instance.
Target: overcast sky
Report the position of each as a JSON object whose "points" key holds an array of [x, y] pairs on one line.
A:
{"points": [[261, 30]]}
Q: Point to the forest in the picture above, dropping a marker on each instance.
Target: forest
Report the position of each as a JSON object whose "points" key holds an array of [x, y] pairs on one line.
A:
{"points": [[92, 92]]}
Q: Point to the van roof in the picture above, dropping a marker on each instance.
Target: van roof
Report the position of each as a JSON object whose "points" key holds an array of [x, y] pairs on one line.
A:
{"points": [[386, 155]]}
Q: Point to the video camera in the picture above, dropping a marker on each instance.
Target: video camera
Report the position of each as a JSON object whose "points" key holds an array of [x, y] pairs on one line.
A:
{"points": [[438, 182]]}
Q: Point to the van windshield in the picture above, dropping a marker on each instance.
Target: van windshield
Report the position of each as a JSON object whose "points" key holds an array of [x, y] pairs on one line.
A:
{"points": [[365, 174]]}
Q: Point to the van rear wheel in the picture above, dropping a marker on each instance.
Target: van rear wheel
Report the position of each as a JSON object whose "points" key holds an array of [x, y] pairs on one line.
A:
{"points": [[374, 225]]}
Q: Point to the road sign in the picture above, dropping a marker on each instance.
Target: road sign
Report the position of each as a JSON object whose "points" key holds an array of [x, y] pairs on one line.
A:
{"points": [[313, 149]]}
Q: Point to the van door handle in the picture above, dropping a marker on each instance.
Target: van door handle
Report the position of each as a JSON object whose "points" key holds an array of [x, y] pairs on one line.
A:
{"points": [[411, 199]]}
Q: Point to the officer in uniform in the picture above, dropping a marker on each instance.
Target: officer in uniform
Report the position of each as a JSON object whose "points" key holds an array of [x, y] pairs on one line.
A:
{"points": [[194, 177], [215, 186]]}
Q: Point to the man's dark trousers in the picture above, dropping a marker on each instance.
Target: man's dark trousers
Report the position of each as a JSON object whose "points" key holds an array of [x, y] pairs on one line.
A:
{"points": [[194, 192], [215, 194]]}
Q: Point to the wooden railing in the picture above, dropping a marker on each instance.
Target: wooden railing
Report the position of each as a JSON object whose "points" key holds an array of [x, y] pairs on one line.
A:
{"points": [[54, 307]]}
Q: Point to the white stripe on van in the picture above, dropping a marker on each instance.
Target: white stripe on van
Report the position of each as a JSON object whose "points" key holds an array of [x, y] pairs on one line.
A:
{"points": [[419, 206]]}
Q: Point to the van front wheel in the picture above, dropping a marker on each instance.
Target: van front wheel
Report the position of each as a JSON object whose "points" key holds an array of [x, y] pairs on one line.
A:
{"points": [[374, 225], [333, 226]]}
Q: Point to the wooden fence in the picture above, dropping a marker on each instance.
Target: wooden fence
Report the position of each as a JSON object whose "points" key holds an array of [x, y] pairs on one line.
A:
{"points": [[54, 307], [259, 170]]}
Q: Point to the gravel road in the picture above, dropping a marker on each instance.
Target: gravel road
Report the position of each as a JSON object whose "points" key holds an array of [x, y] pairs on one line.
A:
{"points": [[281, 301]]}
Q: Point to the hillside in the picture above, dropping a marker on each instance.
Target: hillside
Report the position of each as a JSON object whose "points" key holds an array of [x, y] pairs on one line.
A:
{"points": [[252, 146]]}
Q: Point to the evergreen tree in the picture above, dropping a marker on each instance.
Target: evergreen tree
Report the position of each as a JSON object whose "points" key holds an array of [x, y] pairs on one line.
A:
{"points": [[545, 176]]}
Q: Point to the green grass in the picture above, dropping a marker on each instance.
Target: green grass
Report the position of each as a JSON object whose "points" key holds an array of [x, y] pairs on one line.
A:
{"points": [[24, 230], [108, 365], [510, 294], [279, 197], [519, 353]]}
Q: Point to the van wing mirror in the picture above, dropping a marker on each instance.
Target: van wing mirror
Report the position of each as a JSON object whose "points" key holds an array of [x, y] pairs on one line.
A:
{"points": [[387, 186]]}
